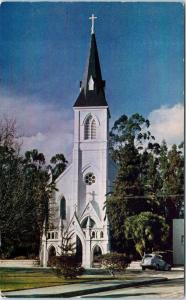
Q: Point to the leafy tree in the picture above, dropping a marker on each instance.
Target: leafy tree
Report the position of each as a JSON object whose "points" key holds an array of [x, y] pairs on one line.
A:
{"points": [[172, 175], [12, 202], [38, 191], [131, 142], [129, 130], [38, 187], [8, 134], [25, 195], [24, 198], [148, 231], [34, 158], [59, 165], [150, 179]]}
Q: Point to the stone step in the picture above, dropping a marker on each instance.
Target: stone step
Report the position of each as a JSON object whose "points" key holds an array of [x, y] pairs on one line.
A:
{"points": [[19, 263]]}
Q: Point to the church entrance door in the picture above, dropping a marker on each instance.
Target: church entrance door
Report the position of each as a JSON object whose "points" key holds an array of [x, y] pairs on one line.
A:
{"points": [[51, 254], [79, 249], [96, 253]]}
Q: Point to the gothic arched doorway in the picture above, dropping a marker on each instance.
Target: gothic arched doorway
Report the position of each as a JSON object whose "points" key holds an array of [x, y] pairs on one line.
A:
{"points": [[96, 253], [51, 254], [79, 249]]}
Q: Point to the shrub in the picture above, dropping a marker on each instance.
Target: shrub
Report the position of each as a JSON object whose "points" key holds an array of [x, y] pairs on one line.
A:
{"points": [[67, 266], [114, 262]]}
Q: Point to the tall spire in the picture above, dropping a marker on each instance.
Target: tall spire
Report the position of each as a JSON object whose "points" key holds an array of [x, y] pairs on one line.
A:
{"points": [[92, 87]]}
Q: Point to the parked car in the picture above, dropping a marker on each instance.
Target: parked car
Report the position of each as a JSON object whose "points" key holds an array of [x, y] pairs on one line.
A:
{"points": [[154, 261]]}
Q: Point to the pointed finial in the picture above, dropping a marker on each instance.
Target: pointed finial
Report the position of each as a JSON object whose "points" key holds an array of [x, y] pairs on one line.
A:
{"points": [[44, 224], [92, 18], [75, 208], [60, 224]]}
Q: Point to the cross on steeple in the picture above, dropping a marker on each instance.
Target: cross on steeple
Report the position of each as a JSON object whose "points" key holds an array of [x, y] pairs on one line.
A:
{"points": [[92, 18]]}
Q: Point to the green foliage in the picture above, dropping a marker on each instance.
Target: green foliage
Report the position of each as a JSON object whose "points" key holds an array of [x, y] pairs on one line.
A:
{"points": [[59, 164], [114, 262], [25, 194], [129, 136], [148, 231], [150, 178], [24, 198], [129, 131], [172, 174]]}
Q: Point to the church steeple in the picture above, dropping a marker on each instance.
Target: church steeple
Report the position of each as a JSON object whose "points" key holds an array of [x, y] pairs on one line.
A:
{"points": [[92, 87]]}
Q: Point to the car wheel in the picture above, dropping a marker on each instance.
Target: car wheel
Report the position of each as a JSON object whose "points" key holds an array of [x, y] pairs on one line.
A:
{"points": [[143, 268], [157, 267], [167, 268]]}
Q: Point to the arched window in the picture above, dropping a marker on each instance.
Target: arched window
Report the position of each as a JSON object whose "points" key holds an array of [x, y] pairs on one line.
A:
{"points": [[96, 253], [63, 209], [85, 221], [93, 234], [101, 234], [87, 128], [90, 128], [93, 130]]}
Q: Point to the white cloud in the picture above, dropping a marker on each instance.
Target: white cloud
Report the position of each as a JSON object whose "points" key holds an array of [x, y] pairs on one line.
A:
{"points": [[168, 123], [42, 126], [50, 129]]}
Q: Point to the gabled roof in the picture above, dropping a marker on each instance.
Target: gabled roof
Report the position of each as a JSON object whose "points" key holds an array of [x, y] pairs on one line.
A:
{"points": [[95, 96]]}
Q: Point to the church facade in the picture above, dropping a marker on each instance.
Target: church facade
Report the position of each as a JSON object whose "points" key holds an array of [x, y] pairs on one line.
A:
{"points": [[83, 186]]}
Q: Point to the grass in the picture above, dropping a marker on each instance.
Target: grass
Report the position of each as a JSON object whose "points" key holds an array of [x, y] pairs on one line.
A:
{"points": [[24, 278]]}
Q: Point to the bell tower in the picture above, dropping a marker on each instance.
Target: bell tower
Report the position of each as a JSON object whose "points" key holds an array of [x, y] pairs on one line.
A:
{"points": [[90, 153]]}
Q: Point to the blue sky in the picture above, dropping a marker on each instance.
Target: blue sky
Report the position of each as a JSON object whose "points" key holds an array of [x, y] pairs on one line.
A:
{"points": [[44, 48]]}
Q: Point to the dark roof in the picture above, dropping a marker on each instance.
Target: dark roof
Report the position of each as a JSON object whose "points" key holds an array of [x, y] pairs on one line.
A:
{"points": [[94, 97]]}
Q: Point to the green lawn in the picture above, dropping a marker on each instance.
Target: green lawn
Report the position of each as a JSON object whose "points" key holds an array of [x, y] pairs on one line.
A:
{"points": [[24, 278]]}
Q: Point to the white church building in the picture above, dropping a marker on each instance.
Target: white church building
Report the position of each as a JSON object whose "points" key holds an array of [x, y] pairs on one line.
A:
{"points": [[83, 186]]}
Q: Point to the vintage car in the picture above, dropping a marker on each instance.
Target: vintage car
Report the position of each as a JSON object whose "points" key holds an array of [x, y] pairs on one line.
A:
{"points": [[154, 261]]}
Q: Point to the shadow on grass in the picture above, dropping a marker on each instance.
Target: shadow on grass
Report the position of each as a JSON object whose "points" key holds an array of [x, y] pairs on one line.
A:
{"points": [[121, 295]]}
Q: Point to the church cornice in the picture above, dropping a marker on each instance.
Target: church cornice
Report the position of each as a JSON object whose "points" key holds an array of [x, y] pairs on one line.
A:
{"points": [[92, 108], [89, 107]]}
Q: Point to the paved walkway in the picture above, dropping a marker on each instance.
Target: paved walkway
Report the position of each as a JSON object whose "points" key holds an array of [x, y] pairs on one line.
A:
{"points": [[170, 289], [80, 289]]}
